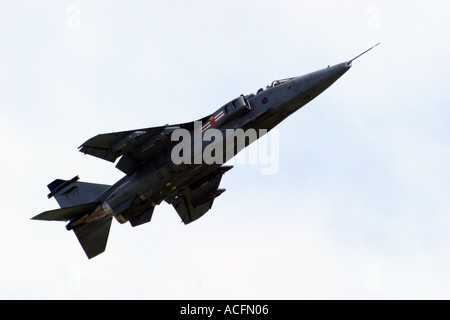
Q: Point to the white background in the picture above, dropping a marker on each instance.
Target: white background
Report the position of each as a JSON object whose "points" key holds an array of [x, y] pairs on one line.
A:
{"points": [[359, 207]]}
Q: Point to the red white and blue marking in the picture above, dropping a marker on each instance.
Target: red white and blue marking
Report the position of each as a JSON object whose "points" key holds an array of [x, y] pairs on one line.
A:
{"points": [[212, 121]]}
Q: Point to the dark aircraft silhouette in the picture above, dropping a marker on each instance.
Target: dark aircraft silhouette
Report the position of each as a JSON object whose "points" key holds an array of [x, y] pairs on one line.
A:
{"points": [[186, 174]]}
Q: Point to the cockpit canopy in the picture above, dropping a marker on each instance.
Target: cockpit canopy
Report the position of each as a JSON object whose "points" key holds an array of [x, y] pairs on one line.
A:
{"points": [[278, 82], [270, 86]]}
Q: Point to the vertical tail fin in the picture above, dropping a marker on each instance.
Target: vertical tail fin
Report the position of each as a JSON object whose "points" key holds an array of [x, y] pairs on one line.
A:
{"points": [[81, 207], [73, 192]]}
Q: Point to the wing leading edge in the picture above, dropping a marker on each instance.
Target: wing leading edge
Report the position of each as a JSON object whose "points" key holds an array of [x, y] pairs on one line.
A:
{"points": [[134, 146]]}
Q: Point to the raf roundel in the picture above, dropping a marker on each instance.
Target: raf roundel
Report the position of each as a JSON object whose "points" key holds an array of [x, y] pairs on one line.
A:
{"points": [[264, 100]]}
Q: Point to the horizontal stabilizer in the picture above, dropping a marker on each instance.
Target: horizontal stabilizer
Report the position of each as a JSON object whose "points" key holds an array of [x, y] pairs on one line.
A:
{"points": [[93, 236], [68, 213]]}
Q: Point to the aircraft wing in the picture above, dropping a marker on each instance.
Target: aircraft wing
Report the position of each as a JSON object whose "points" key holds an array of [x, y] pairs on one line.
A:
{"points": [[194, 201], [134, 146]]}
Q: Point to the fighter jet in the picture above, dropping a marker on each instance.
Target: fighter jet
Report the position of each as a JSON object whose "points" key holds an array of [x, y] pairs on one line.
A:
{"points": [[159, 167]]}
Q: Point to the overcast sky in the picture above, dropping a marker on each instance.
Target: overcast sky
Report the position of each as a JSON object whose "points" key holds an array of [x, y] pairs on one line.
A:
{"points": [[358, 208]]}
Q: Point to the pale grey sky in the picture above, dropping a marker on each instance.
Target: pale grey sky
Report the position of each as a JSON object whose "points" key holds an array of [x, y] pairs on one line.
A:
{"points": [[358, 209]]}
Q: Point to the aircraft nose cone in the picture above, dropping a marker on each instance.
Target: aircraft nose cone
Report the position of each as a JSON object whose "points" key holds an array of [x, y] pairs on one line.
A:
{"points": [[315, 83], [331, 74]]}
